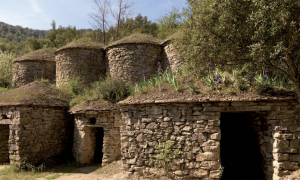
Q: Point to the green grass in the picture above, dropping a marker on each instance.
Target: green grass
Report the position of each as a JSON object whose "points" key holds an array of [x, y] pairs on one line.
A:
{"points": [[12, 172], [4, 90], [53, 176]]}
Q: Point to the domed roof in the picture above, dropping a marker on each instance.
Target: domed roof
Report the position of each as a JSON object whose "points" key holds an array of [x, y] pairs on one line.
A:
{"points": [[35, 93], [82, 43], [39, 55], [136, 39]]}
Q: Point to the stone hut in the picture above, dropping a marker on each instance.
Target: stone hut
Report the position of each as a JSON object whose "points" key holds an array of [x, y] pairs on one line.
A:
{"points": [[171, 59], [254, 138], [96, 133], [34, 66], [129, 57], [34, 124], [82, 59]]}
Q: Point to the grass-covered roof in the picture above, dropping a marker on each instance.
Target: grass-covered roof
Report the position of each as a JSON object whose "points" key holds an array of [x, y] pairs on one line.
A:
{"points": [[35, 93], [39, 55], [82, 43], [136, 39]]}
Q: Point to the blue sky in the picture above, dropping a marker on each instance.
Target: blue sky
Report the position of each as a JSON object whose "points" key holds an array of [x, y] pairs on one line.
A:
{"points": [[38, 14]]}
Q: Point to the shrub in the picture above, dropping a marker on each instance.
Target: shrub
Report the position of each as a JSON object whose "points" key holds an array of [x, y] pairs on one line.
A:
{"points": [[113, 90], [6, 64], [165, 154]]}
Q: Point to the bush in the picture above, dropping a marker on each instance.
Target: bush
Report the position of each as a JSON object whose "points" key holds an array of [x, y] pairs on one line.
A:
{"points": [[165, 154], [113, 90], [6, 64]]}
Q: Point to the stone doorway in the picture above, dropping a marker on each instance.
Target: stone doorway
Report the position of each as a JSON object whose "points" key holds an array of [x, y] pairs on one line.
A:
{"points": [[98, 153], [4, 149], [240, 150]]}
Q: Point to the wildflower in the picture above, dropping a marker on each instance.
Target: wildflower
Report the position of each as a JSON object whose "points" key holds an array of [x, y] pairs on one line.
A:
{"points": [[250, 79], [188, 81], [158, 63], [160, 74], [220, 81], [267, 71], [265, 76], [217, 78], [144, 73], [207, 64]]}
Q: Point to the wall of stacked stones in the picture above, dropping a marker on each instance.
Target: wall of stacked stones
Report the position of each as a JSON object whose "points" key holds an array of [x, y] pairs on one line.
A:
{"points": [[194, 129], [25, 72], [171, 60], [88, 64], [128, 61], [36, 133], [84, 135]]}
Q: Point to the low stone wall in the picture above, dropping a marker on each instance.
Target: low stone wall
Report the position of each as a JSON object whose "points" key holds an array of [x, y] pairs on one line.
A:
{"points": [[128, 61], [25, 72], [36, 132], [171, 60], [86, 63], [84, 135], [194, 129]]}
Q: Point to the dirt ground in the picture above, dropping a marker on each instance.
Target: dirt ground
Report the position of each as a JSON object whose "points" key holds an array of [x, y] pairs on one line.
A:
{"points": [[112, 171]]}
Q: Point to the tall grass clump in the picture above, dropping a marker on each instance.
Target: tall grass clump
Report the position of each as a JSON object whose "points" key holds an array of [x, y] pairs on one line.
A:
{"points": [[6, 65], [110, 89]]}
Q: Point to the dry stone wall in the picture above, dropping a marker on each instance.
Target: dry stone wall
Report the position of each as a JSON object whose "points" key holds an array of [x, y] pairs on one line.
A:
{"points": [[194, 129], [128, 61], [25, 72], [36, 132], [86, 124], [171, 60], [86, 63]]}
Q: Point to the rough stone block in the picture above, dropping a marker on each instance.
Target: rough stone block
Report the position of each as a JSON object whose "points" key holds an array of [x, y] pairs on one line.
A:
{"points": [[208, 156]]}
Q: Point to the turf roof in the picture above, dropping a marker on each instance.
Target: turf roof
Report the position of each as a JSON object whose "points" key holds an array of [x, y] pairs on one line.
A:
{"points": [[39, 55], [82, 43], [96, 105], [136, 39], [35, 93]]}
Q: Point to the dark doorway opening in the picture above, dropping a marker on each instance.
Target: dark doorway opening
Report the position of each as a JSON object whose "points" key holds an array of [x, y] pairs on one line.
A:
{"points": [[240, 151], [4, 149], [98, 154]]}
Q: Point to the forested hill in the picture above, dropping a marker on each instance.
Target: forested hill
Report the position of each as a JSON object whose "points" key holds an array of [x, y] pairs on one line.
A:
{"points": [[10, 33]]}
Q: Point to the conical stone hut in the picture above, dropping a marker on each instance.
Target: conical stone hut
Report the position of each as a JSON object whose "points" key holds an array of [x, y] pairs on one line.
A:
{"points": [[82, 59], [129, 57], [34, 66]]}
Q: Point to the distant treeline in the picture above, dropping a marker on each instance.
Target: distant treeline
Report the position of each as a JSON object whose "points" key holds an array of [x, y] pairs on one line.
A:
{"points": [[20, 41]]}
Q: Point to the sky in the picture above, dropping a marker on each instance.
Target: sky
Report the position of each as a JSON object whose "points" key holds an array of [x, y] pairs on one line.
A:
{"points": [[38, 14]]}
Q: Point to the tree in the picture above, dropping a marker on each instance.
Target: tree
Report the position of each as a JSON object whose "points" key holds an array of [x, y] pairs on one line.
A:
{"points": [[124, 10], [169, 24], [101, 8], [258, 33]]}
